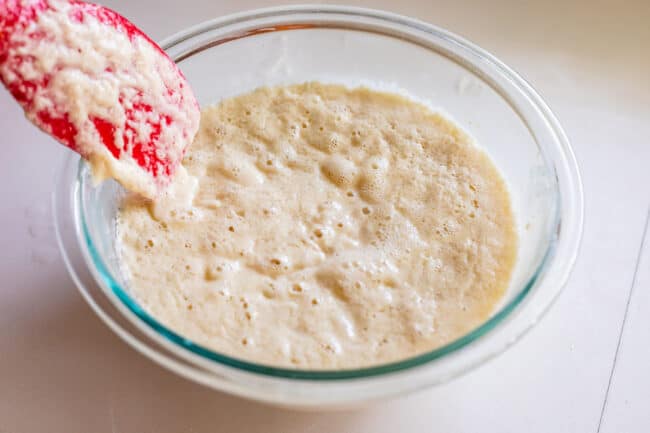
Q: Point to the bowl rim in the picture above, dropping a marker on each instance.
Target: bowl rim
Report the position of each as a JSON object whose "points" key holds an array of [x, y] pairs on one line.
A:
{"points": [[506, 312]]}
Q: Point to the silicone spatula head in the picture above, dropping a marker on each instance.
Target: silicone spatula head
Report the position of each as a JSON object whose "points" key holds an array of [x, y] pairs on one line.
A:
{"points": [[94, 81]]}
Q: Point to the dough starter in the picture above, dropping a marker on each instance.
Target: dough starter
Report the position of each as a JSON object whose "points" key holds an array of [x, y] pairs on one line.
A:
{"points": [[330, 228]]}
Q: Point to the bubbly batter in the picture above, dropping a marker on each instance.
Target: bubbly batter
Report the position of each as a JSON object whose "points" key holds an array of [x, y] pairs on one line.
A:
{"points": [[331, 228]]}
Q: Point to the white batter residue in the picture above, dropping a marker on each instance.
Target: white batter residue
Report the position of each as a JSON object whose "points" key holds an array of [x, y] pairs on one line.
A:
{"points": [[97, 72], [332, 228]]}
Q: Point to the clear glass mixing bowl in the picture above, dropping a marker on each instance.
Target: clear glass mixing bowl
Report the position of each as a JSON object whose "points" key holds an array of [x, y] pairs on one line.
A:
{"points": [[234, 54]]}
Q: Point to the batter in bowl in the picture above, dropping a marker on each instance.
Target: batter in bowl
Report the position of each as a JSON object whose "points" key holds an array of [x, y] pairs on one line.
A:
{"points": [[330, 228]]}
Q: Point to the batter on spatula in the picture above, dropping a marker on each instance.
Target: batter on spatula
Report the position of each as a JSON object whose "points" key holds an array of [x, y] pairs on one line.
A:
{"points": [[91, 79]]}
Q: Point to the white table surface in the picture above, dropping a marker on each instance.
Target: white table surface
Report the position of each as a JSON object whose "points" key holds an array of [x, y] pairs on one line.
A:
{"points": [[584, 368]]}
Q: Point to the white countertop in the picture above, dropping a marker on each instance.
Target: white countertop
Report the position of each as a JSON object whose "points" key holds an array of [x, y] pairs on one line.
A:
{"points": [[584, 368]]}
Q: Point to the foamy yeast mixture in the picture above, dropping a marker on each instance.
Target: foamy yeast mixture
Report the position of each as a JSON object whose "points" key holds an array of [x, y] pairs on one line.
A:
{"points": [[331, 228]]}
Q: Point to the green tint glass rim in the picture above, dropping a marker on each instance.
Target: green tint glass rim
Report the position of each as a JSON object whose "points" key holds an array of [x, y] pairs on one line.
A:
{"points": [[409, 363]]}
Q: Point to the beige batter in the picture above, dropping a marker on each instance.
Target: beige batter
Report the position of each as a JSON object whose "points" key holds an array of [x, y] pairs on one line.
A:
{"points": [[331, 228]]}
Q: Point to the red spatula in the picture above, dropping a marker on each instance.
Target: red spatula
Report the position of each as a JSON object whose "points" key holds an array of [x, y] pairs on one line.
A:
{"points": [[99, 85]]}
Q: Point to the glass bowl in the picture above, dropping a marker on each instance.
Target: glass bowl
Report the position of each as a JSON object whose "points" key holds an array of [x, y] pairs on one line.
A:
{"points": [[237, 53]]}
